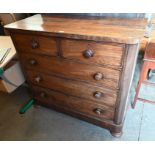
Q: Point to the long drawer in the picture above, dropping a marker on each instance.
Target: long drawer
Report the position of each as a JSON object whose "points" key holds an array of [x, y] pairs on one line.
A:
{"points": [[72, 87], [93, 52], [95, 74], [36, 44], [49, 97]]}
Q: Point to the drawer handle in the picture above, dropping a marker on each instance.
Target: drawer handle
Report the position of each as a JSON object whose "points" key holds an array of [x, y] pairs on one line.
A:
{"points": [[88, 53], [34, 44], [98, 76], [98, 111], [32, 62], [98, 94], [38, 79], [43, 95]]}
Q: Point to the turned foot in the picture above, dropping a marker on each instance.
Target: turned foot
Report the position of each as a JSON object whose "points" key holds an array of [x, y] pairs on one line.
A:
{"points": [[116, 134]]}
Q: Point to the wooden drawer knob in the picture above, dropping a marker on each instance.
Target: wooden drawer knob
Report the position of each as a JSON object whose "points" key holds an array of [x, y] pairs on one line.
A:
{"points": [[43, 95], [98, 76], [38, 79], [98, 94], [32, 62], [88, 53], [34, 44], [98, 111]]}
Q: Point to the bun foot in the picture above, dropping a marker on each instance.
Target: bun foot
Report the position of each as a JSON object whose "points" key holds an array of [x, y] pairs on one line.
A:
{"points": [[116, 134]]}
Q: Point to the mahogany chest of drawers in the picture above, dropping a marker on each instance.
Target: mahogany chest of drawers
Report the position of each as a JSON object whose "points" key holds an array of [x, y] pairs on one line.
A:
{"points": [[83, 67]]}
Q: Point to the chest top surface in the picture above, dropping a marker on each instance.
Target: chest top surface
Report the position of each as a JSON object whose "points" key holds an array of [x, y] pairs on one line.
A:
{"points": [[119, 30]]}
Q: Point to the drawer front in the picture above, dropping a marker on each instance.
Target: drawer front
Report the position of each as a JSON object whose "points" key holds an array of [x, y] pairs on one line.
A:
{"points": [[73, 87], [95, 74], [86, 107], [92, 52], [35, 44]]}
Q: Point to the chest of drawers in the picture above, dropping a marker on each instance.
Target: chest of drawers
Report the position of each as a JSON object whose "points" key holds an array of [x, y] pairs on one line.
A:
{"points": [[83, 67]]}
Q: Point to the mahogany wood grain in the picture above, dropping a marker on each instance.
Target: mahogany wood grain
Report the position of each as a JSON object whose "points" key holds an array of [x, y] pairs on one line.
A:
{"points": [[90, 29], [103, 54], [80, 105], [150, 51], [82, 65], [98, 20], [70, 69], [73, 87], [126, 81], [36, 44]]}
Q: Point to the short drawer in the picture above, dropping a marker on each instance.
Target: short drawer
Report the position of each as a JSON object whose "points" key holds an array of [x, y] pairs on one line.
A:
{"points": [[35, 44], [90, 73], [72, 87], [93, 52], [49, 97]]}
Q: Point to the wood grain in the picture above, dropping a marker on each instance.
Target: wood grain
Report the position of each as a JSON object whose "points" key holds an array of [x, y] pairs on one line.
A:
{"points": [[126, 81], [90, 29], [60, 57], [45, 45], [71, 69], [72, 103], [104, 54], [73, 87], [150, 51]]}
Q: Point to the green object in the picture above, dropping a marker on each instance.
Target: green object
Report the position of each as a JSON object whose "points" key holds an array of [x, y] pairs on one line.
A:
{"points": [[1, 71], [26, 106]]}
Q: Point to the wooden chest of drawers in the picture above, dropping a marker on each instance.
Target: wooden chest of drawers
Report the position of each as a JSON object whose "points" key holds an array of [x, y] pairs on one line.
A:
{"points": [[83, 67]]}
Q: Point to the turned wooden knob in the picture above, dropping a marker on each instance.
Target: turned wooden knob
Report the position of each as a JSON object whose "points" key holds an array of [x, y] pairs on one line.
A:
{"points": [[98, 111], [37, 79], [34, 44], [98, 76], [43, 95], [98, 94], [32, 62], [88, 53]]}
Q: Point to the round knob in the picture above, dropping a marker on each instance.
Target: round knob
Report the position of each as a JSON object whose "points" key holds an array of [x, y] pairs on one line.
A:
{"points": [[33, 62], [43, 95], [98, 76], [98, 94], [37, 79], [88, 53], [98, 111], [34, 44]]}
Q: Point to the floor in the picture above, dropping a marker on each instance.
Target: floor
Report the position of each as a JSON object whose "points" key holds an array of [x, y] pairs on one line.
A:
{"points": [[45, 124]]}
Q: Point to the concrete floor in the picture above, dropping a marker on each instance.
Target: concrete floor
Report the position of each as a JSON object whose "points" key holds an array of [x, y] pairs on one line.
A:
{"points": [[45, 124]]}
